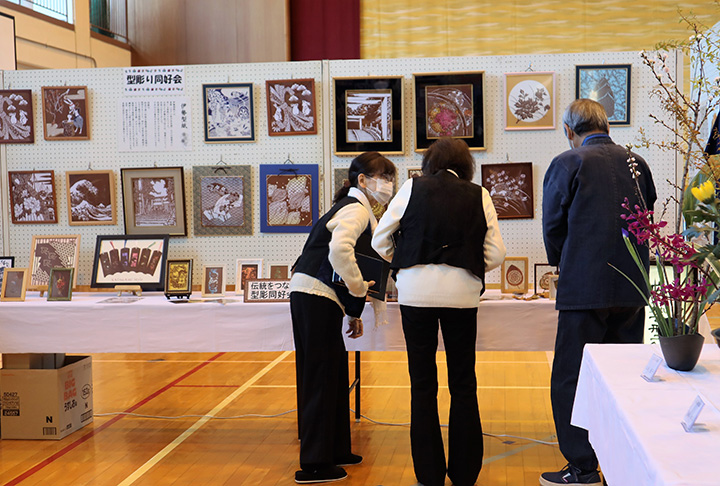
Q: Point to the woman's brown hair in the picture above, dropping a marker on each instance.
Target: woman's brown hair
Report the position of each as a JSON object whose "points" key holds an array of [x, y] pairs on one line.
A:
{"points": [[449, 153]]}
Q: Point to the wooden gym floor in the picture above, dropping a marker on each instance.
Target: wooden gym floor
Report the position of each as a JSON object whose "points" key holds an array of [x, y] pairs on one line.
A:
{"points": [[197, 450]]}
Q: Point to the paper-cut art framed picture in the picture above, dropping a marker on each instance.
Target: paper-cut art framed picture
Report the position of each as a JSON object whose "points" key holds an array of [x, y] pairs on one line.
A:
{"points": [[511, 188], [278, 271], [368, 115], [530, 101], [91, 197], [32, 197], [60, 286], [154, 200], [130, 260], [288, 197], [291, 107], [14, 285], [213, 281], [449, 105], [246, 269], [414, 172], [48, 252], [514, 275], [65, 113], [5, 262], [229, 112], [178, 278], [543, 276], [609, 85], [222, 200], [17, 123]]}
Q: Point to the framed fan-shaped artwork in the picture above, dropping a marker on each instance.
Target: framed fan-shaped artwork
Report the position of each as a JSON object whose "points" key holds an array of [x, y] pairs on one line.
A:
{"points": [[514, 275], [530, 101], [288, 197]]}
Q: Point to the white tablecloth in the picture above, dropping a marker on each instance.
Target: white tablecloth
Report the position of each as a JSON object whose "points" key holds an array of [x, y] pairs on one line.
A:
{"points": [[155, 325], [634, 426]]}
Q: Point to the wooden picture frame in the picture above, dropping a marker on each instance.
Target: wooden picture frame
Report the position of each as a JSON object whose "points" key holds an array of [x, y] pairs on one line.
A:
{"points": [[267, 290], [288, 197], [60, 287], [228, 113], [541, 280], [48, 252], [130, 260], [14, 285], [247, 269], [609, 85], [154, 200], [5, 262], [449, 104], [32, 197], [91, 197], [65, 113], [178, 278], [511, 188], [214, 278], [17, 122], [514, 275], [368, 115], [291, 107], [222, 200], [278, 271], [413, 172], [530, 100]]}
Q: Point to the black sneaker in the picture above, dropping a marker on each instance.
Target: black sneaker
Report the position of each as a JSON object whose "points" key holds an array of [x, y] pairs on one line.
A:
{"points": [[570, 475], [351, 460], [325, 474]]}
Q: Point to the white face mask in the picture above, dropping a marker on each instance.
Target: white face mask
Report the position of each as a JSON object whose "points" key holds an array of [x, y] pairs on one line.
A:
{"points": [[383, 190]]}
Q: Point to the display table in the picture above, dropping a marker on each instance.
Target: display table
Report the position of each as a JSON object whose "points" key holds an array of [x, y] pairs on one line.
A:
{"points": [[155, 325], [634, 426]]}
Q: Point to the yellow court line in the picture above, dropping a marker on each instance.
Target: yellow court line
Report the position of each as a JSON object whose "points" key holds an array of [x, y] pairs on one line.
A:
{"points": [[192, 429]]}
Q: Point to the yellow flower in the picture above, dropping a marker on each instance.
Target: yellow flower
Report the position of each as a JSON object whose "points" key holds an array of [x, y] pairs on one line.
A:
{"points": [[705, 192]]}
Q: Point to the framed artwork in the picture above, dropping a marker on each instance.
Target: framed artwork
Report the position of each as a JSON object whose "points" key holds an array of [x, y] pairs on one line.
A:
{"points": [[213, 281], [414, 172], [368, 115], [65, 113], [449, 105], [178, 278], [511, 188], [514, 275], [14, 285], [17, 123], [91, 197], [154, 200], [340, 176], [222, 200], [130, 260], [229, 115], [530, 101], [278, 271], [609, 85], [60, 287], [247, 269], [291, 107], [5, 262], [543, 274], [48, 252], [288, 197], [32, 197]]}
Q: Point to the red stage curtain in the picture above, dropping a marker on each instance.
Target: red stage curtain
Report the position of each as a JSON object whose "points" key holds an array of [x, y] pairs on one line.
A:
{"points": [[324, 29]]}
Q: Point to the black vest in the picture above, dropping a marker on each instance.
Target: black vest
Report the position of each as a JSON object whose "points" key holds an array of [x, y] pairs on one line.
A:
{"points": [[314, 258], [444, 223]]}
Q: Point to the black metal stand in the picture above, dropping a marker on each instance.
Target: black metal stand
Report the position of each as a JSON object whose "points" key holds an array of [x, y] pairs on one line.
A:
{"points": [[355, 385]]}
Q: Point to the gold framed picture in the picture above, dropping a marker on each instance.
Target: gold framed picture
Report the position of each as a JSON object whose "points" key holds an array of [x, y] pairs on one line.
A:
{"points": [[514, 275], [14, 285]]}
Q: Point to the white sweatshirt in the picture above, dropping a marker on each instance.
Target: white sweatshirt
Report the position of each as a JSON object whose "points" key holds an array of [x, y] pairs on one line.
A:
{"points": [[437, 285]]}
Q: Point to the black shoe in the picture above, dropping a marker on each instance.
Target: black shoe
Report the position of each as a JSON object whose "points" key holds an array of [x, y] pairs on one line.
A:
{"points": [[351, 460], [325, 474], [570, 475]]}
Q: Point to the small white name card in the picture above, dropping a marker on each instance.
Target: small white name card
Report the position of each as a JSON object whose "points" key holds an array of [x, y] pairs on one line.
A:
{"points": [[692, 414], [651, 368], [267, 290]]}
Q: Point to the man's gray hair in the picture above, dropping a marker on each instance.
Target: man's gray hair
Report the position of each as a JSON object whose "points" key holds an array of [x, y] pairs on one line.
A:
{"points": [[584, 116]]}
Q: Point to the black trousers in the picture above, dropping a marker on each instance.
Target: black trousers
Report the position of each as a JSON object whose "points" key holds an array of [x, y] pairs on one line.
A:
{"points": [[321, 364], [465, 448], [576, 328]]}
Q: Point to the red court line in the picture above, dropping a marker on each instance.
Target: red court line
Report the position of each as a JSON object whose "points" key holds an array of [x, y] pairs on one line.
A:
{"points": [[107, 424], [207, 386]]}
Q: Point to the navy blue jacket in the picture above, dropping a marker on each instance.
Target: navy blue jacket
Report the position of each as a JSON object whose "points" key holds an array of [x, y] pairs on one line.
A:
{"points": [[582, 228]]}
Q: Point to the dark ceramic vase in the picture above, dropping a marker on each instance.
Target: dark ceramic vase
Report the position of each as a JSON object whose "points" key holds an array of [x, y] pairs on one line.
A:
{"points": [[682, 352]]}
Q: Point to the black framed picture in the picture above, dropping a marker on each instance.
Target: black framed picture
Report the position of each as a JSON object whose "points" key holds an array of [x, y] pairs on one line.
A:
{"points": [[5, 262], [368, 115], [449, 105], [154, 200], [229, 113], [609, 85], [130, 260]]}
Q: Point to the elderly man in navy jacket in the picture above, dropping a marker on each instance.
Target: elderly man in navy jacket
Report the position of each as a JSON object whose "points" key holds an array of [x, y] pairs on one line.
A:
{"points": [[583, 191]]}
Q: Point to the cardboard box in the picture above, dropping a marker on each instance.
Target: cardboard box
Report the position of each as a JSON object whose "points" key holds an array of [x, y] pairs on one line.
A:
{"points": [[46, 403]]}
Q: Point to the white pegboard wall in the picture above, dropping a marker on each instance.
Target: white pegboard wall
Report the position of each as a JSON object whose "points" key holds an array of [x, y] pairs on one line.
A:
{"points": [[523, 237]]}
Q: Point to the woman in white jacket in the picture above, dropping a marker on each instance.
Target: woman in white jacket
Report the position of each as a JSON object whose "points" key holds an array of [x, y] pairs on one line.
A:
{"points": [[441, 235]]}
